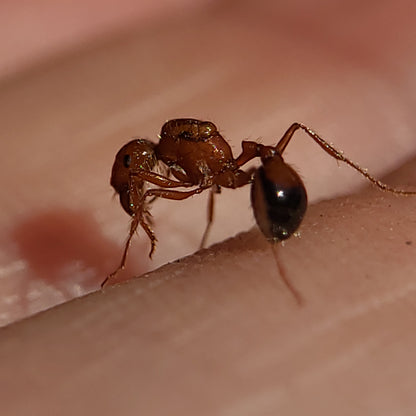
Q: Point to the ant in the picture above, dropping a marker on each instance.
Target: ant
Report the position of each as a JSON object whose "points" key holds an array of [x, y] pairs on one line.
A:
{"points": [[198, 157]]}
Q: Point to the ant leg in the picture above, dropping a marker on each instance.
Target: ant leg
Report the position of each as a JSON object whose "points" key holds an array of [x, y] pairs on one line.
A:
{"points": [[151, 236], [137, 219], [170, 194], [250, 151], [133, 228], [336, 154], [210, 215], [242, 177], [151, 202], [159, 180], [166, 194]]}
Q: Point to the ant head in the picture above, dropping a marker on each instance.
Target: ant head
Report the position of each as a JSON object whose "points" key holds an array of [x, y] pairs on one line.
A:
{"points": [[136, 155], [278, 197]]}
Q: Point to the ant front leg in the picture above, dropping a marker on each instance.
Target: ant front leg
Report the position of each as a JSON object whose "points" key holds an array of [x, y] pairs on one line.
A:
{"points": [[159, 180], [173, 195], [133, 228], [336, 154], [132, 202]]}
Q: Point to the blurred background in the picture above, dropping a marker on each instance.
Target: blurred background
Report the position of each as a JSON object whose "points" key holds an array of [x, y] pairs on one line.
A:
{"points": [[79, 79]]}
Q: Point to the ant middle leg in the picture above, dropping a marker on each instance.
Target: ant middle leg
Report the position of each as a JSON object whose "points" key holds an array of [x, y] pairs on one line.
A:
{"points": [[336, 154], [238, 179]]}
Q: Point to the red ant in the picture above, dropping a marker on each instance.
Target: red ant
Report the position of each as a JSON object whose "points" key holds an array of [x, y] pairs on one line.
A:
{"points": [[196, 155]]}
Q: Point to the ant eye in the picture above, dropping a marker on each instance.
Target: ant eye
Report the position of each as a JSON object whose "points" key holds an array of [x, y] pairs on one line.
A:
{"points": [[127, 161]]}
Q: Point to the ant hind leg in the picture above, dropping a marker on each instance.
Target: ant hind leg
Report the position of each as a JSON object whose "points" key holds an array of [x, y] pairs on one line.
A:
{"points": [[338, 155], [214, 190]]}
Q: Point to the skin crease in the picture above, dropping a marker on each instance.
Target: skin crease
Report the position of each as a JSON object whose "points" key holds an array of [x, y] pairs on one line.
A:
{"points": [[217, 332]]}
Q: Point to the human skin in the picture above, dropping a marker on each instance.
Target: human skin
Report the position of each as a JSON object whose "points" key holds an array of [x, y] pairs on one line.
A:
{"points": [[218, 332]]}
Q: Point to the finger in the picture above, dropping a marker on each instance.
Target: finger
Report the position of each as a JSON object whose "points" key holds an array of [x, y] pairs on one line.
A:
{"points": [[222, 325], [64, 121]]}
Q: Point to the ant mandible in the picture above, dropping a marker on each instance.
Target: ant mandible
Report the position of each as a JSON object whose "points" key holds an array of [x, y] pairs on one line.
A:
{"points": [[196, 155]]}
